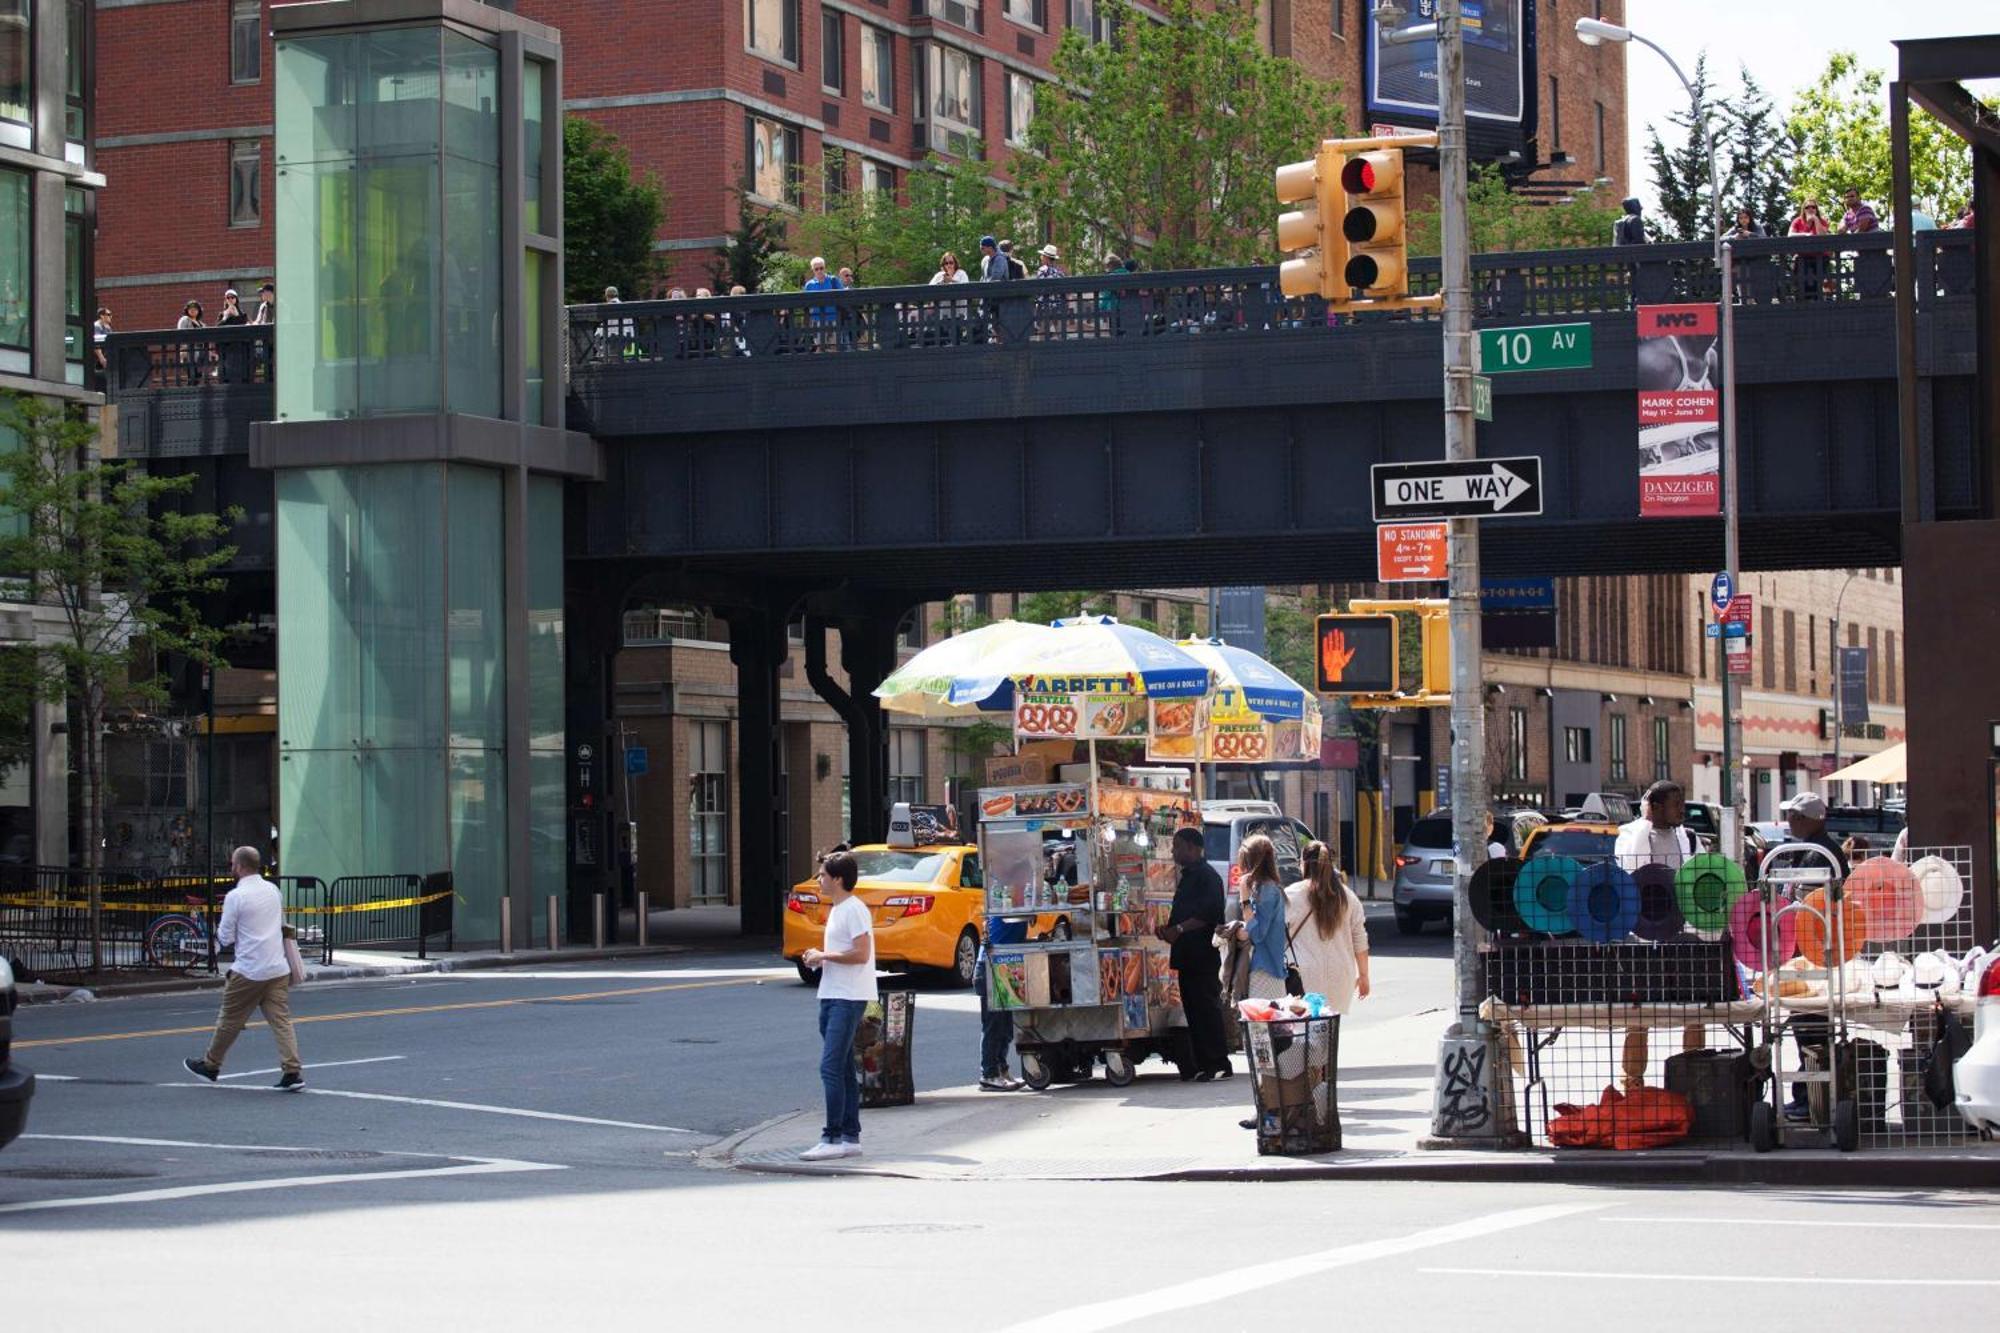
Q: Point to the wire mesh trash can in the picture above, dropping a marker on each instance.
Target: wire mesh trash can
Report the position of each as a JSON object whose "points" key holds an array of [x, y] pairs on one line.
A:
{"points": [[882, 1048], [1294, 1065]]}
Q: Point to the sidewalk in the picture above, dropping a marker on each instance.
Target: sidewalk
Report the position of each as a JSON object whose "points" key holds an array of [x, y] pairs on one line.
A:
{"points": [[669, 933], [1162, 1129]]}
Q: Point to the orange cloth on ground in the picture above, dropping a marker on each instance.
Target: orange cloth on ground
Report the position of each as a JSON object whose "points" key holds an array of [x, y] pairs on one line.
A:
{"points": [[1641, 1118]]}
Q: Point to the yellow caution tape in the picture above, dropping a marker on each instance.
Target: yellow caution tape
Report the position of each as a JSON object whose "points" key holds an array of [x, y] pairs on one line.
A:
{"points": [[171, 909]]}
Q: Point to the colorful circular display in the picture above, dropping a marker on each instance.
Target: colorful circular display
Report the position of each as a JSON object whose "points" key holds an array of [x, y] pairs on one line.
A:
{"points": [[1887, 894], [1706, 887], [1660, 916], [1541, 893], [1746, 933], [1603, 903], [1816, 926]]}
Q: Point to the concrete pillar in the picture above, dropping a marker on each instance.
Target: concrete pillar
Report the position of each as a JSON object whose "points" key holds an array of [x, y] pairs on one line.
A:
{"points": [[757, 647]]}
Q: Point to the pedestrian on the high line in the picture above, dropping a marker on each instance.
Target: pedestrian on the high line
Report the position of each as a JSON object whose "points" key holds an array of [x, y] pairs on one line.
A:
{"points": [[1859, 217], [1263, 916], [992, 264], [1190, 929], [267, 305], [1015, 268], [1631, 228], [1051, 266], [1811, 267], [253, 923], [846, 964]]}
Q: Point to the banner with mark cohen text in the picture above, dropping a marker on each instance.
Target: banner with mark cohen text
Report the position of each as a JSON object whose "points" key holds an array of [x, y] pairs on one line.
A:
{"points": [[1680, 411]]}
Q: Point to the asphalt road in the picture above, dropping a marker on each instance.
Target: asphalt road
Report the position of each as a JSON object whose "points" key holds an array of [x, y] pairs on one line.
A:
{"points": [[520, 1146]]}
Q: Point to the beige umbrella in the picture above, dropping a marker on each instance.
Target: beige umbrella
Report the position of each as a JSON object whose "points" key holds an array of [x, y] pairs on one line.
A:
{"points": [[1891, 765]]}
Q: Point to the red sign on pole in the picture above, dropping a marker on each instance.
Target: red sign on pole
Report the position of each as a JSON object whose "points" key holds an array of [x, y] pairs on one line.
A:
{"points": [[1679, 411], [1412, 552]]}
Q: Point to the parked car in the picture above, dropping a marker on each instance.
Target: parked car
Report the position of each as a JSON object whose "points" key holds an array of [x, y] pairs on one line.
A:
{"points": [[1878, 825], [1704, 820], [17, 1085], [1583, 839], [928, 904], [1976, 1076], [1426, 865], [1224, 827]]}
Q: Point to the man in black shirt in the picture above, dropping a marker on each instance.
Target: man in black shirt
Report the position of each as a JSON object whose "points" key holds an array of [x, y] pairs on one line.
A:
{"points": [[1190, 929]]}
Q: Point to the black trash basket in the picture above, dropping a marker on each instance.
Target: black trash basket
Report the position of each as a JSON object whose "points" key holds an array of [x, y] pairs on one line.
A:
{"points": [[1294, 1070], [882, 1049]]}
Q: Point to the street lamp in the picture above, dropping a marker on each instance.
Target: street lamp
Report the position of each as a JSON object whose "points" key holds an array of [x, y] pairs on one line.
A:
{"points": [[1595, 32]]}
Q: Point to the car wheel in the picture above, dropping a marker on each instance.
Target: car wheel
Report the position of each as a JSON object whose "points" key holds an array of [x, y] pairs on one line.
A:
{"points": [[965, 958], [1408, 923], [1062, 929], [808, 976]]}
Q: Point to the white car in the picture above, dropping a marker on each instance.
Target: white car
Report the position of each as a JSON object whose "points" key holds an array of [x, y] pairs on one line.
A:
{"points": [[1976, 1076]]}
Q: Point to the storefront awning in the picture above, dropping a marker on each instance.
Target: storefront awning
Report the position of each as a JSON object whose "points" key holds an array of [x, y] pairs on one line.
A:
{"points": [[1891, 765]]}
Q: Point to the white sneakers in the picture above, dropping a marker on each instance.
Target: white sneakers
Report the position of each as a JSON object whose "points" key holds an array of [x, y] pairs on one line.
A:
{"points": [[827, 1152]]}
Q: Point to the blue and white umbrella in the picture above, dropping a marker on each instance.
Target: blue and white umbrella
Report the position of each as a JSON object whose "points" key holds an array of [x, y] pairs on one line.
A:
{"points": [[1086, 655], [1264, 689]]}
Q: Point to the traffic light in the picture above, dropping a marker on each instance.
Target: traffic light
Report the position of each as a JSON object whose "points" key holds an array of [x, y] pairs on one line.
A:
{"points": [[1314, 228], [1357, 654], [1372, 225], [1437, 653]]}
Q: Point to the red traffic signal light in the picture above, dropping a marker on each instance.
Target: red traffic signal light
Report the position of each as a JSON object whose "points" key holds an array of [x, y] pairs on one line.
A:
{"points": [[1357, 654], [1373, 223]]}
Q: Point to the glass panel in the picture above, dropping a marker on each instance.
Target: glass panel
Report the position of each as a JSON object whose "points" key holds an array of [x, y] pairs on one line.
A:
{"points": [[398, 240], [471, 273], [545, 613], [878, 68], [476, 639], [532, 269], [548, 818], [14, 233], [531, 134], [319, 321], [478, 784], [73, 117], [471, 99], [17, 45], [313, 99]]}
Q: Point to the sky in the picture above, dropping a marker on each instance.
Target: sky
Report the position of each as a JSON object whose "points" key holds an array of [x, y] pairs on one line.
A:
{"points": [[1785, 43]]}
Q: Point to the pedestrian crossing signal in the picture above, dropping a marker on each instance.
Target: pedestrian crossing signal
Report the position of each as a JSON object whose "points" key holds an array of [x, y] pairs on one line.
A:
{"points": [[1357, 654]]}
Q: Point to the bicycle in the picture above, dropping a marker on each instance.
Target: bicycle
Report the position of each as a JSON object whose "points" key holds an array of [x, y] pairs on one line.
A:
{"points": [[179, 941]]}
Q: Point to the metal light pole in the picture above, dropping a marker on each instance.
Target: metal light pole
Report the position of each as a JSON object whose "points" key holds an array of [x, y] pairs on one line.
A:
{"points": [[1594, 32], [1833, 652]]}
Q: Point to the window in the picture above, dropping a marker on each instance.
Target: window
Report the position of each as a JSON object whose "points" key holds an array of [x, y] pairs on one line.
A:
{"points": [[771, 29], [1517, 744], [833, 170], [1340, 19], [982, 605], [15, 230], [832, 51], [964, 13], [246, 41], [1092, 19], [657, 625], [910, 630], [1555, 112], [1020, 107], [17, 46], [1663, 750], [708, 812], [1618, 773], [878, 68], [76, 325], [1600, 138], [1147, 609], [1791, 650], [147, 773], [1889, 676], [877, 178], [1576, 745], [76, 106], [770, 157], [906, 764], [954, 108], [1029, 13]]}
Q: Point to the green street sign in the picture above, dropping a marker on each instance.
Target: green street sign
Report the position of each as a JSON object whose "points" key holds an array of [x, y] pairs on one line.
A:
{"points": [[1534, 347], [1482, 398]]}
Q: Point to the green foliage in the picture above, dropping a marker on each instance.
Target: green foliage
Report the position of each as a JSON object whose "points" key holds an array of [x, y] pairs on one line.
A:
{"points": [[1762, 155], [1841, 126], [948, 204], [122, 566], [1681, 193], [747, 252], [1290, 635], [1503, 220], [784, 271], [609, 217], [1170, 133], [956, 617], [1039, 608]]}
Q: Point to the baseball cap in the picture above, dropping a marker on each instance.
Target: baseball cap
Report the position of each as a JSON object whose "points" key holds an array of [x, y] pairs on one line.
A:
{"points": [[986, 241], [1808, 803]]}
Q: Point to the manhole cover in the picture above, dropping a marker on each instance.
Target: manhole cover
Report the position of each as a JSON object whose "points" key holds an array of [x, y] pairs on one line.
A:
{"points": [[910, 1228], [72, 1173]]}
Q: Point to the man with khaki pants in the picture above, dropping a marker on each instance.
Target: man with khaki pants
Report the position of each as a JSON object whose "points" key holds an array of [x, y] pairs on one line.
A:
{"points": [[253, 920]]}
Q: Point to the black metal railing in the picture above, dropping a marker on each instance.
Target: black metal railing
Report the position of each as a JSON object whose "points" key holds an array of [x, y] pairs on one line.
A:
{"points": [[382, 910], [145, 922], [1537, 285], [190, 359]]}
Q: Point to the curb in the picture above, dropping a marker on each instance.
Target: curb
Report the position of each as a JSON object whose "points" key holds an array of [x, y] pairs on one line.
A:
{"points": [[47, 993]]}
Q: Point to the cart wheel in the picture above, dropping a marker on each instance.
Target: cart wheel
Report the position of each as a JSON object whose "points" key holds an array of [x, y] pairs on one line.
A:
{"points": [[1846, 1126], [1763, 1127], [1119, 1071], [1035, 1072]]}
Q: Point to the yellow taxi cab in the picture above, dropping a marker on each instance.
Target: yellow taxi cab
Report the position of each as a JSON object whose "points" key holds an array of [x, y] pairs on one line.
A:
{"points": [[1583, 839], [927, 904]]}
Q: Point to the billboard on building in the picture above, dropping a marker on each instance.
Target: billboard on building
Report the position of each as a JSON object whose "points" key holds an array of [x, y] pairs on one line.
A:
{"points": [[1400, 79]]}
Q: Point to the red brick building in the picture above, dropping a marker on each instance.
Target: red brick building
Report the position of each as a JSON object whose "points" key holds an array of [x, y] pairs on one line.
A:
{"points": [[709, 96]]}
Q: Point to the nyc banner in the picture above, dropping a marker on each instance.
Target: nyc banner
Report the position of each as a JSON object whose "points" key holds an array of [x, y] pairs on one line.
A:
{"points": [[1680, 433]]}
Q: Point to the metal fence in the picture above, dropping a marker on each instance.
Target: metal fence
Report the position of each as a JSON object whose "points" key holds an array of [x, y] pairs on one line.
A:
{"points": [[191, 359], [379, 910], [1543, 284], [146, 922]]}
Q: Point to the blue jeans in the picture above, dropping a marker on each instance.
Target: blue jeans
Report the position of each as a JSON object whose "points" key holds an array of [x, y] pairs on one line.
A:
{"points": [[839, 1020]]}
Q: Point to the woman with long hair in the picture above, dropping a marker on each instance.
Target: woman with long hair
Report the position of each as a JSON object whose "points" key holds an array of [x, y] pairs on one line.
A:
{"points": [[1328, 931], [1263, 898]]}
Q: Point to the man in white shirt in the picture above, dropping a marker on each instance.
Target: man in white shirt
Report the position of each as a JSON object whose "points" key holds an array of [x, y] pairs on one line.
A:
{"points": [[1657, 837], [846, 966], [253, 921]]}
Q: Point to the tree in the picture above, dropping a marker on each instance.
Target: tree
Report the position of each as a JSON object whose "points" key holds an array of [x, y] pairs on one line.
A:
{"points": [[747, 251], [609, 217], [1761, 152], [124, 568], [1170, 134], [1841, 126], [1680, 174], [1503, 220], [949, 204]]}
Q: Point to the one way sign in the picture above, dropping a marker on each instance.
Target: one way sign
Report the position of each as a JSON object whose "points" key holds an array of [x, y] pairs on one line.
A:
{"points": [[1480, 488]]}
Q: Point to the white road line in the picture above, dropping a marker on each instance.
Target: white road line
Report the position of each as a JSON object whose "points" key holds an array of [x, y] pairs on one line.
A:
{"points": [[487, 1110], [1757, 1279], [1806, 1222], [125, 1141], [1226, 1286], [675, 974], [58, 1078], [473, 1166], [328, 1064]]}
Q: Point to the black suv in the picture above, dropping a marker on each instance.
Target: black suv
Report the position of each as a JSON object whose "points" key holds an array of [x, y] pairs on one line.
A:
{"points": [[17, 1085]]}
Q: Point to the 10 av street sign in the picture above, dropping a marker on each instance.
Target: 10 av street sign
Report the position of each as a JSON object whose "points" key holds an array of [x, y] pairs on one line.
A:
{"points": [[1479, 488], [1534, 347]]}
